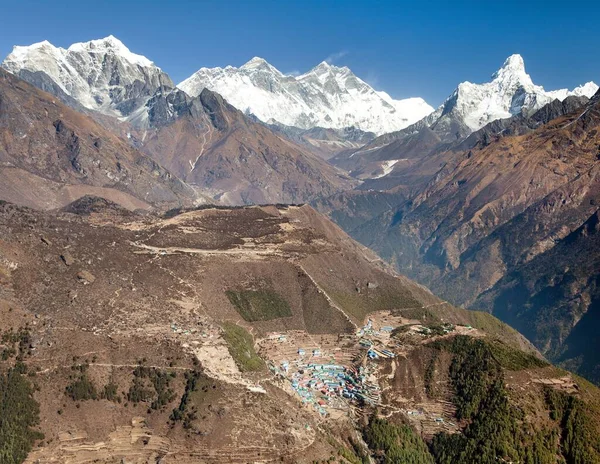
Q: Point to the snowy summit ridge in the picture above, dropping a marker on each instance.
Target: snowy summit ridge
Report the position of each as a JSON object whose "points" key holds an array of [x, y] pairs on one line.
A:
{"points": [[111, 44], [510, 92], [326, 96], [102, 75], [105, 76]]}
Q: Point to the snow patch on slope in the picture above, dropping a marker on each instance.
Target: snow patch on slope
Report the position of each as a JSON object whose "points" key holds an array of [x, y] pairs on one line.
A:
{"points": [[387, 167]]}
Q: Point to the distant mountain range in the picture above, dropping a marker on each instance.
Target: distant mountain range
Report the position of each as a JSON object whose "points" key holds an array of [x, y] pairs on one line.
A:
{"points": [[326, 96], [504, 220], [105, 76], [441, 194], [201, 140]]}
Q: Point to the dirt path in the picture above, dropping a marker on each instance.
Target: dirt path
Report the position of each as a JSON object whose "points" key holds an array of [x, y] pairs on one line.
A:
{"points": [[242, 252]]}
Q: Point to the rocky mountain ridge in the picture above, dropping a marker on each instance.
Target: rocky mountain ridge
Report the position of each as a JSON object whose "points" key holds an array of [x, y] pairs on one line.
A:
{"points": [[233, 159]]}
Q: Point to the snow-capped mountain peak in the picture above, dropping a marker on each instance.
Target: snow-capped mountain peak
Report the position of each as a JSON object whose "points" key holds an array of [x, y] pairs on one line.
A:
{"points": [[256, 64], [326, 96], [323, 67], [511, 75], [21, 50], [102, 75], [324, 71], [22, 54], [588, 89], [514, 65], [510, 92], [110, 44]]}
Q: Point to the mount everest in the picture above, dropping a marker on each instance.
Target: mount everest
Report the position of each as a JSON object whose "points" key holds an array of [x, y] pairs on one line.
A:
{"points": [[326, 96]]}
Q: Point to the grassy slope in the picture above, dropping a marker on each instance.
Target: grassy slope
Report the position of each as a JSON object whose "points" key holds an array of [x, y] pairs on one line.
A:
{"points": [[241, 347]]}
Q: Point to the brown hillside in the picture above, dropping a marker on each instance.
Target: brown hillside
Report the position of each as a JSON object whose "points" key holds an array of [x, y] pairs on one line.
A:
{"points": [[51, 155], [112, 298], [239, 161]]}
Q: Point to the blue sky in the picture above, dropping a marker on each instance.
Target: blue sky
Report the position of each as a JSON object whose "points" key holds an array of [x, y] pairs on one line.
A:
{"points": [[416, 48]]}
